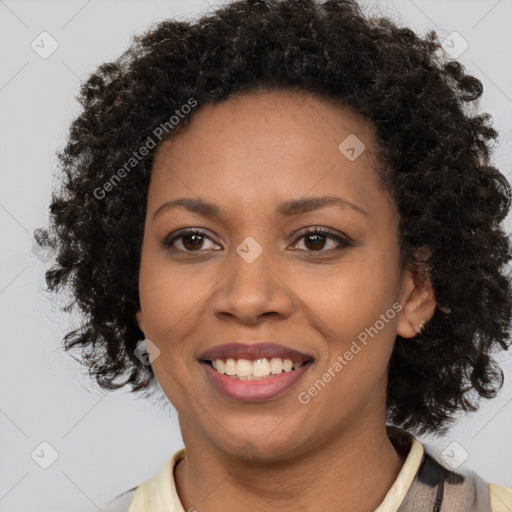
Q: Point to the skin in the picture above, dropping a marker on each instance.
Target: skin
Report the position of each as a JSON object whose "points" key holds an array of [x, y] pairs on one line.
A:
{"points": [[247, 155]]}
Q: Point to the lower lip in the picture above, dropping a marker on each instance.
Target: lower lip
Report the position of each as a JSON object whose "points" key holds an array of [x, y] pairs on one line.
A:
{"points": [[255, 390]]}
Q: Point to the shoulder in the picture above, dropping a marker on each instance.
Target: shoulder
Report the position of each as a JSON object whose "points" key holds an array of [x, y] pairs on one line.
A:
{"points": [[501, 498], [464, 489], [157, 493], [437, 486]]}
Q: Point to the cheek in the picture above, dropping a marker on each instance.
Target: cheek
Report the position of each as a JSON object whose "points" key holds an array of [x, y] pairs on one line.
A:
{"points": [[355, 294], [357, 319], [356, 314], [170, 303], [169, 295]]}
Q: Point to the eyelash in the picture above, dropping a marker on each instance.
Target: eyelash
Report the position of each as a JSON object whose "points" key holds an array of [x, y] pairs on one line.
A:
{"points": [[342, 241]]}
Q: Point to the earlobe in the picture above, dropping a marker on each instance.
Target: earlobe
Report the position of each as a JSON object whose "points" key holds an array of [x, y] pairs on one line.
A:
{"points": [[419, 304]]}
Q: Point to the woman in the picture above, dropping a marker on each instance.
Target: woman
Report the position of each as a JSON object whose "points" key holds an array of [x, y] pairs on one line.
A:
{"points": [[292, 205]]}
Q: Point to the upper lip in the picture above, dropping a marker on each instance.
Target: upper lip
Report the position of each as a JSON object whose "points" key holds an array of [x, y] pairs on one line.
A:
{"points": [[253, 351]]}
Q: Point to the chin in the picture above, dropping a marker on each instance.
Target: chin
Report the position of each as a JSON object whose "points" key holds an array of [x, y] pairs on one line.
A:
{"points": [[254, 445]]}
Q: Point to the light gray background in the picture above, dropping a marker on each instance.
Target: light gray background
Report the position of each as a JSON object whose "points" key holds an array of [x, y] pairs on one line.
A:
{"points": [[108, 443]]}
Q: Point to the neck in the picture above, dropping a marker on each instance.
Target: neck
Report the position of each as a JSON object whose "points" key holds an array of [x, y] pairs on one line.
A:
{"points": [[352, 472]]}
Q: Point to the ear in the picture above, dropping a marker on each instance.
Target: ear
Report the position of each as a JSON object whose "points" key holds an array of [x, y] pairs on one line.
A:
{"points": [[418, 303], [140, 322]]}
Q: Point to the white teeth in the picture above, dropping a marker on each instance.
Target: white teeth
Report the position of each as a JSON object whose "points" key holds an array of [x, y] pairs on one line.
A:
{"points": [[230, 367], [261, 367], [221, 367], [276, 365], [245, 369]]}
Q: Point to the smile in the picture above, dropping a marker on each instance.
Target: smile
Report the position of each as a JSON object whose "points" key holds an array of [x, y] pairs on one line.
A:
{"points": [[251, 387], [254, 372]]}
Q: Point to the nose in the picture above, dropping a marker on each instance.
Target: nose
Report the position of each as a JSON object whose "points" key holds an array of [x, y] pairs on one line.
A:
{"points": [[252, 291]]}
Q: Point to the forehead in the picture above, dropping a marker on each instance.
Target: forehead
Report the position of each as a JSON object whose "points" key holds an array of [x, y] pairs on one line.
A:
{"points": [[264, 120], [270, 144]]}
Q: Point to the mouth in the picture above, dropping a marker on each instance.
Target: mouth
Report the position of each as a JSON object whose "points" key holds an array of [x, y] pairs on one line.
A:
{"points": [[254, 373]]}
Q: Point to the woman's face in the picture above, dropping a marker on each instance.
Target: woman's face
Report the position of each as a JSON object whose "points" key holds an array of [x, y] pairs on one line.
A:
{"points": [[251, 276]]}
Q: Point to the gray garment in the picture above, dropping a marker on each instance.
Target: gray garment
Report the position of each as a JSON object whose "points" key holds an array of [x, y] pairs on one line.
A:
{"points": [[438, 489], [434, 488]]}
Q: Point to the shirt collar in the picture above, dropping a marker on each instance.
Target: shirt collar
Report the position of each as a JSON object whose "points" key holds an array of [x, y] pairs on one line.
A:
{"points": [[405, 443]]}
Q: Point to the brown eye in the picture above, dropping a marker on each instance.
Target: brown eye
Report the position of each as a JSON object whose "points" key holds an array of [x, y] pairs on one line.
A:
{"points": [[191, 240], [316, 240]]}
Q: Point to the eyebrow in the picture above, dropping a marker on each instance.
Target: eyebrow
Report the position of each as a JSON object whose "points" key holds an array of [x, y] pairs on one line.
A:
{"points": [[286, 209]]}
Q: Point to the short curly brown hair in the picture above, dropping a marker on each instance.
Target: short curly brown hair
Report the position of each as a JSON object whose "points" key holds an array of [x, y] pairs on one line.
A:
{"points": [[436, 153]]}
